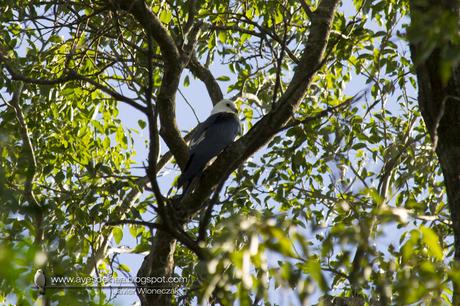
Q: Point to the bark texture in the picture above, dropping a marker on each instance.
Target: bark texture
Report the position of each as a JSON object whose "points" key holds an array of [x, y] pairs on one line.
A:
{"points": [[159, 263], [439, 103]]}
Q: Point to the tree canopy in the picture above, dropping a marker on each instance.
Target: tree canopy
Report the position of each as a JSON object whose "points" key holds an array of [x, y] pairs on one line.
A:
{"points": [[335, 193]]}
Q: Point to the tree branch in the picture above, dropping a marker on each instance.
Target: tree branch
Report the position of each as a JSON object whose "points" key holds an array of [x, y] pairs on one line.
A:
{"points": [[205, 75], [325, 112], [204, 222], [152, 113], [264, 32], [269, 125], [27, 142], [20, 77], [106, 234], [117, 96], [136, 222], [166, 105], [70, 76], [37, 209], [191, 15], [153, 27]]}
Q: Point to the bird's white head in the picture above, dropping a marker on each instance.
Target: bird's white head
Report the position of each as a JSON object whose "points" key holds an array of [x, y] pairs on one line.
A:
{"points": [[224, 106]]}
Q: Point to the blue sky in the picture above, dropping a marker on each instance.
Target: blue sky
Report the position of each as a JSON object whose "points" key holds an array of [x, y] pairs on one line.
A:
{"points": [[196, 93]]}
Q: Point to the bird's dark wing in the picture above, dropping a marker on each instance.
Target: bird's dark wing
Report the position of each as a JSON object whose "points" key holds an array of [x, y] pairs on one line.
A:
{"points": [[200, 130], [217, 132]]}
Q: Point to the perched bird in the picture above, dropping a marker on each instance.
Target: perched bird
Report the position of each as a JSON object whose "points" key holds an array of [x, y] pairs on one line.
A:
{"points": [[40, 281], [209, 139]]}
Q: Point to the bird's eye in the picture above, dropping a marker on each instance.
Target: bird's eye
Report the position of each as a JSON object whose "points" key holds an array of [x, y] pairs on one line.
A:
{"points": [[228, 104]]}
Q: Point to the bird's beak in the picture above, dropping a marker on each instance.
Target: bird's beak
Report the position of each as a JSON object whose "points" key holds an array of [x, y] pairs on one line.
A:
{"points": [[234, 109]]}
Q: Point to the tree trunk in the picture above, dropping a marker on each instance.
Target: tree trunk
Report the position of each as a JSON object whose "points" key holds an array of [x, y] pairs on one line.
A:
{"points": [[159, 263], [440, 107]]}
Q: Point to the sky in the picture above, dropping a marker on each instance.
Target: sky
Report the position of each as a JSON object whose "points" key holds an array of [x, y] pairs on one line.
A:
{"points": [[196, 93]]}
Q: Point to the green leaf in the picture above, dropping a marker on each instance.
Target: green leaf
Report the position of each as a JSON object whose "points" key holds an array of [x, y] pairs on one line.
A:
{"points": [[431, 240], [121, 138], [223, 78], [186, 81], [313, 266], [142, 247], [165, 16], [142, 124], [117, 234], [124, 267], [278, 17], [133, 230], [223, 36]]}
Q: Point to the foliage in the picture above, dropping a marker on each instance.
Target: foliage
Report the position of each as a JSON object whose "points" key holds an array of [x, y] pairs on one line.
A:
{"points": [[348, 204]]}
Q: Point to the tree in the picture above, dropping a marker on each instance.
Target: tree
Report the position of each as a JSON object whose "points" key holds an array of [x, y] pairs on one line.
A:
{"points": [[436, 60], [333, 191]]}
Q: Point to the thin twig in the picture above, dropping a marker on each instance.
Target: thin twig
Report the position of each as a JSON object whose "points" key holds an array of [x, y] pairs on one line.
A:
{"points": [[32, 163], [190, 105], [71, 75], [325, 112], [135, 222], [204, 222]]}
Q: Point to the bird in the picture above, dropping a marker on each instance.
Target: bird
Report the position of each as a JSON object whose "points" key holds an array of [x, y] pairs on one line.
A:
{"points": [[209, 139], [40, 281]]}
